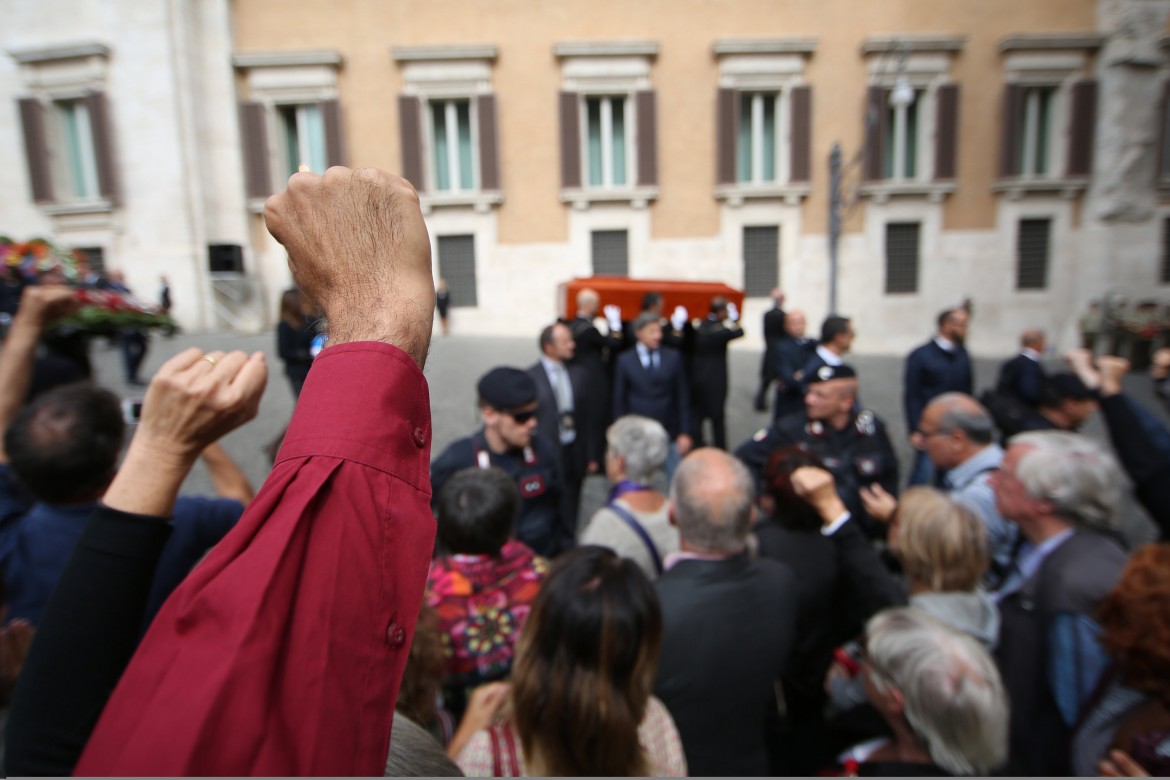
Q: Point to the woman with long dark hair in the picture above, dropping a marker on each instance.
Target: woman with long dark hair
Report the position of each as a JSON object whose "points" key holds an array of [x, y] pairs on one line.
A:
{"points": [[579, 702]]}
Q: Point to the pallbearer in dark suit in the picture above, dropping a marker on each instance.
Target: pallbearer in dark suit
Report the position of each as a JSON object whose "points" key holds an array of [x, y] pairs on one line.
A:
{"points": [[594, 355], [709, 369], [650, 381], [774, 319], [565, 414]]}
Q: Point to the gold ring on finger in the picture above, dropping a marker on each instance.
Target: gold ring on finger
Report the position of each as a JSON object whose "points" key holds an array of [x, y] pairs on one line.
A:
{"points": [[209, 359]]}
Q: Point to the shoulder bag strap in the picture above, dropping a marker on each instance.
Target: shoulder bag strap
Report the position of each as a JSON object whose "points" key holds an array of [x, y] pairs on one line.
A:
{"points": [[637, 528]]}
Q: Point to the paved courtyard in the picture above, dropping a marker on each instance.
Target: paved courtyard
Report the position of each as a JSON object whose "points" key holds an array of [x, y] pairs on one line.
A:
{"points": [[456, 362]]}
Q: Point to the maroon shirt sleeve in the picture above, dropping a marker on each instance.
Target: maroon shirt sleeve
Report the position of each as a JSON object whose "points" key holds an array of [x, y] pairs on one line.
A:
{"points": [[282, 652]]}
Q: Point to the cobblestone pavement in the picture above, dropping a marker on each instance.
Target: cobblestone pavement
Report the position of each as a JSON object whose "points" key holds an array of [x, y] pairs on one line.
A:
{"points": [[456, 362]]}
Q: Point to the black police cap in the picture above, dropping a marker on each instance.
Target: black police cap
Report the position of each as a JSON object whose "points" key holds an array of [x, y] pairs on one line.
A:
{"points": [[507, 388]]}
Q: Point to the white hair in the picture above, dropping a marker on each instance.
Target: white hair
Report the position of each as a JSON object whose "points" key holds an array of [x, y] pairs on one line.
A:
{"points": [[953, 697], [642, 443], [1078, 477]]}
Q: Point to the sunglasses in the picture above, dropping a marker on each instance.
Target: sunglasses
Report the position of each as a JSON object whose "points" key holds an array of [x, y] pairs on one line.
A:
{"points": [[522, 417]]}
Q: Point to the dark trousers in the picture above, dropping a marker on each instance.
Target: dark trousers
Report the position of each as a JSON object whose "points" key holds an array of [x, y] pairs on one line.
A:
{"points": [[133, 344]]}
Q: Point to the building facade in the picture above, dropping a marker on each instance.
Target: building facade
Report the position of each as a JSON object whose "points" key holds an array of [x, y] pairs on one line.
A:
{"points": [[1006, 152]]}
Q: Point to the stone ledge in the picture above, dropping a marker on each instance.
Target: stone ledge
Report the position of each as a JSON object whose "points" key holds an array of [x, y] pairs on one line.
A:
{"points": [[454, 52], [482, 202], [582, 199], [606, 49], [67, 51], [1016, 189], [881, 44], [1050, 41], [765, 46], [736, 194], [882, 192], [285, 59]]}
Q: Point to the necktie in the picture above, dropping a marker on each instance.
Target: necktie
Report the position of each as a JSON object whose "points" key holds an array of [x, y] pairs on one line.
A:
{"points": [[654, 360], [564, 390]]}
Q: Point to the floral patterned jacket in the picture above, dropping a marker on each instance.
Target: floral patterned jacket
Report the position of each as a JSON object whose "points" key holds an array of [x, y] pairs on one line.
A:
{"points": [[482, 603]]}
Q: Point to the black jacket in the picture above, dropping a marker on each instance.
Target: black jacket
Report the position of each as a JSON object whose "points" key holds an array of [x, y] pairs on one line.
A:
{"points": [[729, 627], [709, 365], [1022, 378], [584, 447]]}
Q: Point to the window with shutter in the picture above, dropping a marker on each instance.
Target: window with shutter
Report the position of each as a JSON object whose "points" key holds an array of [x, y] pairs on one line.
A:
{"points": [[761, 259], [1032, 248], [763, 130], [902, 257], [910, 117], [448, 124], [610, 252], [292, 120], [68, 127], [457, 266], [608, 122]]}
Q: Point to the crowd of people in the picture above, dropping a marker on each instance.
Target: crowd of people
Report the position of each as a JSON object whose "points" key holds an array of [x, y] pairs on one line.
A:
{"points": [[778, 606]]}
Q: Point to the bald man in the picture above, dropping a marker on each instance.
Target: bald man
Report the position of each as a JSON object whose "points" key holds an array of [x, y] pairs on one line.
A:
{"points": [[1023, 377], [729, 622]]}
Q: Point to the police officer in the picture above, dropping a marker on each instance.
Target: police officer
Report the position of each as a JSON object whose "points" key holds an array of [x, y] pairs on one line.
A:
{"points": [[508, 440], [852, 444]]}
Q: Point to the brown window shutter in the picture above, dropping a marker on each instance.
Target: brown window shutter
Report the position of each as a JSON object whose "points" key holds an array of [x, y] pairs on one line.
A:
{"points": [[647, 108], [489, 150], [877, 120], [36, 149], [946, 132], [727, 117], [1083, 126], [801, 134], [254, 134], [334, 135], [103, 145], [1009, 143], [570, 140], [410, 136]]}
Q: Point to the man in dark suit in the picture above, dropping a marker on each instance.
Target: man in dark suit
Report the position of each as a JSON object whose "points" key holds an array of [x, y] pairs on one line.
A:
{"points": [[774, 319], [1023, 377], [729, 622], [939, 366], [594, 354], [791, 355], [709, 369], [564, 414], [650, 381]]}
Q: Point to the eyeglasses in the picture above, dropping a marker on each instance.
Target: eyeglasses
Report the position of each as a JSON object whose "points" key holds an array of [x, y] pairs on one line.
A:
{"points": [[928, 434], [522, 417]]}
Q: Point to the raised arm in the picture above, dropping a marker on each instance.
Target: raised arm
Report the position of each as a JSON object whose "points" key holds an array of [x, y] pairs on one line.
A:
{"points": [[92, 623], [299, 622], [38, 307], [227, 478]]}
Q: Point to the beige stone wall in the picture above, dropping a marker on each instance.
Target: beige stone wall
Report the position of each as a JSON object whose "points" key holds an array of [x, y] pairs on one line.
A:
{"points": [[526, 77]]}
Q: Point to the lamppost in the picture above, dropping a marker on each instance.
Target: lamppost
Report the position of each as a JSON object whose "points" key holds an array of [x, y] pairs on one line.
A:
{"points": [[840, 203]]}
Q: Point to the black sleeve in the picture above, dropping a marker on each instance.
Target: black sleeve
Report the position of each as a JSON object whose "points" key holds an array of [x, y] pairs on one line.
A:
{"points": [[86, 638], [1141, 458], [867, 583]]}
